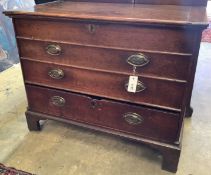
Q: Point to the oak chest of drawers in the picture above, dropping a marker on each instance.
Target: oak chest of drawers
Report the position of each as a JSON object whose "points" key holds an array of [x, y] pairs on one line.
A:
{"points": [[77, 58]]}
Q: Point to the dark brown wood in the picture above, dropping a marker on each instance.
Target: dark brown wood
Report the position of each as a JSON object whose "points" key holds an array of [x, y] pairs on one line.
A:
{"points": [[160, 2], [110, 35], [153, 2], [189, 109], [106, 1], [119, 12], [170, 157], [33, 122], [156, 124], [170, 153], [174, 2], [161, 64], [74, 61], [165, 94]]}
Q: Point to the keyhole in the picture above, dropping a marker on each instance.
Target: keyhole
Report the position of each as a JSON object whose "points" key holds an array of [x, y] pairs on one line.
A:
{"points": [[91, 28], [93, 104]]}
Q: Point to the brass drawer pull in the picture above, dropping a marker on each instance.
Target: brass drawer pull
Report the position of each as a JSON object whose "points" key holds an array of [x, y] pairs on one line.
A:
{"points": [[140, 86], [58, 101], [138, 60], [53, 49], [133, 118], [56, 73]]}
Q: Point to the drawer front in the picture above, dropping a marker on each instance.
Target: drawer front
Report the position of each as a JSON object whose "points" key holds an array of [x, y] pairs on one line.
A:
{"points": [[167, 94], [152, 64], [134, 120], [107, 35]]}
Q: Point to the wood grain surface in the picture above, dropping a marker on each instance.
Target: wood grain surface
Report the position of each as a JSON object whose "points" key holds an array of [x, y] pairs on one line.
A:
{"points": [[156, 124], [158, 93], [124, 13], [107, 35]]}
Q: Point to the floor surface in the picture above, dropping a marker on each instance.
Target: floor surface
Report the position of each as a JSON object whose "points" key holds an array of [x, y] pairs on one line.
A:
{"points": [[62, 149]]}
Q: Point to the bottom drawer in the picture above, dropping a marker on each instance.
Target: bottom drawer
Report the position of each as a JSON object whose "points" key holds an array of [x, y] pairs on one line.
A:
{"points": [[131, 119]]}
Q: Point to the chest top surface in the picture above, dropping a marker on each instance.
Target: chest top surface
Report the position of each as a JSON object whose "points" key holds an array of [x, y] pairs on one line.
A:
{"points": [[118, 12]]}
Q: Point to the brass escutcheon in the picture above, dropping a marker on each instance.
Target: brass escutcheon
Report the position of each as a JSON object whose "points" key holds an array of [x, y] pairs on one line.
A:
{"points": [[133, 118], [53, 49], [56, 73], [58, 101], [138, 60]]}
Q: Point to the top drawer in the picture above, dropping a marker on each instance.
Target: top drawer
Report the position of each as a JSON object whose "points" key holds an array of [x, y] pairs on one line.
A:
{"points": [[107, 35]]}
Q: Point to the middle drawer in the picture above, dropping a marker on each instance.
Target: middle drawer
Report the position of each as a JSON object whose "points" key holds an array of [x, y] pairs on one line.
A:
{"points": [[153, 92]]}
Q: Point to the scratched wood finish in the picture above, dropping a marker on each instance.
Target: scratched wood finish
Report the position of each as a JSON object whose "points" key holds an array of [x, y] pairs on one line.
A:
{"points": [[161, 65], [157, 92], [156, 124], [110, 35], [174, 2], [170, 15], [163, 2], [107, 33]]}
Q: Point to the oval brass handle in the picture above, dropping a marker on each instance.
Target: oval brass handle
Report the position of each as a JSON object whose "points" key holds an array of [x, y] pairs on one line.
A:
{"points": [[133, 118], [56, 73], [53, 49], [58, 101], [140, 86], [138, 60]]}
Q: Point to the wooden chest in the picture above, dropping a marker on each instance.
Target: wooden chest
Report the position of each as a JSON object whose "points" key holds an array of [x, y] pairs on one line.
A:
{"points": [[77, 58]]}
